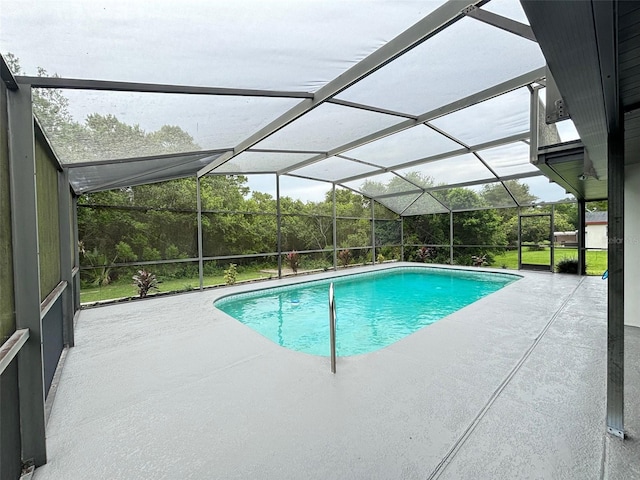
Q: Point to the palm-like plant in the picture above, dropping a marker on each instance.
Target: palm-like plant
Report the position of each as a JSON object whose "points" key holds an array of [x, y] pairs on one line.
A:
{"points": [[479, 260], [423, 254], [145, 282], [345, 257], [293, 259]]}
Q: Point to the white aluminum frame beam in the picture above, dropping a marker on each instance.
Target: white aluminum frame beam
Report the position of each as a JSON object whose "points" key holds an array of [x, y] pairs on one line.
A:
{"points": [[440, 156], [370, 108], [272, 150], [487, 94], [113, 86], [414, 191], [438, 188], [437, 20], [503, 23]]}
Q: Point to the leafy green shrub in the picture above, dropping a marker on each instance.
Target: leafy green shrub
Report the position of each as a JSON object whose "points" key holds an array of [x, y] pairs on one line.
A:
{"points": [[568, 265], [124, 252], [150, 254], [389, 253], [100, 275], [176, 270], [463, 259], [172, 252], [319, 263], [380, 258], [231, 274], [145, 281], [212, 269], [439, 255]]}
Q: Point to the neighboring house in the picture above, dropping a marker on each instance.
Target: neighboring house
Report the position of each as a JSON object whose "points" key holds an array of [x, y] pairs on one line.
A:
{"points": [[566, 239], [596, 225]]}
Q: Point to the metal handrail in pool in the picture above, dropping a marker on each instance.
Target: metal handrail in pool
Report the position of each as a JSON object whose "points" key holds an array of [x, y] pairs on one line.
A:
{"points": [[332, 327]]}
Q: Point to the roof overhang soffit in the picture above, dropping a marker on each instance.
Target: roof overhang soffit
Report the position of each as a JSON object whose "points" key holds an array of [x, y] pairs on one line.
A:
{"points": [[578, 40]]}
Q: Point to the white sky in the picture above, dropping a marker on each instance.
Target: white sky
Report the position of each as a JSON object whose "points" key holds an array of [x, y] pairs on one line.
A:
{"points": [[275, 44]]}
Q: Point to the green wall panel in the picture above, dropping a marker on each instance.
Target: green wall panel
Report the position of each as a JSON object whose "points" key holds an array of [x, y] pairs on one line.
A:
{"points": [[7, 318], [71, 232], [48, 220]]}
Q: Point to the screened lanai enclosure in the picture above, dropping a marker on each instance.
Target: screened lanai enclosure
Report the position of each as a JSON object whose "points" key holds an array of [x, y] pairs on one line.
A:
{"points": [[414, 138], [184, 139]]}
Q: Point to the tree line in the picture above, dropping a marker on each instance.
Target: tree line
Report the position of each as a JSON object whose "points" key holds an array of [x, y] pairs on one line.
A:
{"points": [[159, 222]]}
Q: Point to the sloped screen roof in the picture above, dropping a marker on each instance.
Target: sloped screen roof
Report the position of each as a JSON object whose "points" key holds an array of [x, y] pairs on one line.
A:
{"points": [[400, 101]]}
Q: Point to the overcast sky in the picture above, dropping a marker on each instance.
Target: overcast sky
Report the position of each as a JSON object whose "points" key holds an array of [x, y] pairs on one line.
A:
{"points": [[278, 44]]}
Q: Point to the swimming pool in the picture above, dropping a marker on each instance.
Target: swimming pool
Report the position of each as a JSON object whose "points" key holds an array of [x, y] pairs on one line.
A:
{"points": [[374, 309]]}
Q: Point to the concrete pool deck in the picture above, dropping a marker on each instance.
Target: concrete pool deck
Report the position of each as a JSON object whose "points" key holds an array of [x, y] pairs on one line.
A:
{"points": [[511, 386]]}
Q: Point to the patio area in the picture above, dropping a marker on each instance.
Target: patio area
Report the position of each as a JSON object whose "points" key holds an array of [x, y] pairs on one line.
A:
{"points": [[512, 386]]}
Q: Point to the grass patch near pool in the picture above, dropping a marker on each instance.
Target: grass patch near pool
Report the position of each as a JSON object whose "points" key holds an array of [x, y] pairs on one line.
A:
{"points": [[596, 259], [126, 289]]}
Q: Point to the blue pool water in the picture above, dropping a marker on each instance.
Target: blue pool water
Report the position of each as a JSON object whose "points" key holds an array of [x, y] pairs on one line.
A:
{"points": [[374, 309]]}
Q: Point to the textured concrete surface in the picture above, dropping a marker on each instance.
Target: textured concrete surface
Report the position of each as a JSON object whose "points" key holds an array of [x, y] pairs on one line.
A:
{"points": [[512, 386], [623, 458]]}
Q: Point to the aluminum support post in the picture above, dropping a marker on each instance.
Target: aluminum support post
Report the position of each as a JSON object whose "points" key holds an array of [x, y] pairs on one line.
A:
{"points": [[519, 239], [373, 231], [200, 247], [534, 111], [335, 229], [401, 238], [279, 226], [615, 312], [582, 252], [450, 237], [551, 240], [75, 238], [66, 263], [26, 273]]}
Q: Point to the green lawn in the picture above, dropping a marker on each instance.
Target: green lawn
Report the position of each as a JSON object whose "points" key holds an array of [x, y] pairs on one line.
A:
{"points": [[596, 259], [122, 290]]}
